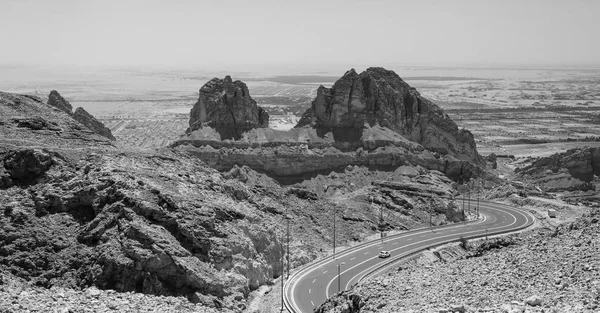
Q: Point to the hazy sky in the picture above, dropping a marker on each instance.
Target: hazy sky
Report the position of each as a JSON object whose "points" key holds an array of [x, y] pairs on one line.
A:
{"points": [[218, 34]]}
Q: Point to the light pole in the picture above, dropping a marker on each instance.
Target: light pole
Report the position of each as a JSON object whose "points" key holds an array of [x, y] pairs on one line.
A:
{"points": [[381, 221], [282, 251], [334, 211], [430, 213], [462, 194], [469, 195], [478, 191], [288, 217], [339, 283]]}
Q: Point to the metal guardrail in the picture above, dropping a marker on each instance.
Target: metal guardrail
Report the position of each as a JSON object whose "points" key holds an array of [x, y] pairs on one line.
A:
{"points": [[288, 305]]}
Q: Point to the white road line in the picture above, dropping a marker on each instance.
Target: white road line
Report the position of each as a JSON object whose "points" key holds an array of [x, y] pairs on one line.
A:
{"points": [[325, 272], [311, 302], [367, 245], [309, 290], [367, 252], [417, 249], [353, 258], [314, 280]]}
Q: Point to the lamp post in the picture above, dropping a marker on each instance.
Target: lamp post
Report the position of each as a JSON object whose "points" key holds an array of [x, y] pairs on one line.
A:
{"points": [[339, 274], [478, 191], [281, 246], [430, 224], [288, 217], [334, 211], [469, 195]]}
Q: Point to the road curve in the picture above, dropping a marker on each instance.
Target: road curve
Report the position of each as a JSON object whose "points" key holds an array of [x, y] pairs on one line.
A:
{"points": [[314, 283]]}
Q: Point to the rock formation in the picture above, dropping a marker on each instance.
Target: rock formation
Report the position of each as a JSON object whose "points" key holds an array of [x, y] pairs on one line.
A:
{"points": [[372, 119], [57, 101], [227, 107], [81, 115], [89, 121], [568, 171], [380, 97]]}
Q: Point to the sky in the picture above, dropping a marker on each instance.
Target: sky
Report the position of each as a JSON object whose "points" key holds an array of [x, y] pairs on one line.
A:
{"points": [[303, 34]]}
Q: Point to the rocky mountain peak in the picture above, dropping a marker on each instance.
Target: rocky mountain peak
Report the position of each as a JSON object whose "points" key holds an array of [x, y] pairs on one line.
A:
{"points": [[378, 96], [57, 101], [227, 106]]}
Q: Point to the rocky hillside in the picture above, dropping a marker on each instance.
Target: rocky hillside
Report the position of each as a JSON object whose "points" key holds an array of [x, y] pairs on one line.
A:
{"points": [[228, 108], [547, 270], [380, 97], [80, 115], [78, 213], [572, 170]]}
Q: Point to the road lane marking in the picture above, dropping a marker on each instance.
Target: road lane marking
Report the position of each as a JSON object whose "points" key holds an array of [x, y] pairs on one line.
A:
{"points": [[303, 273], [309, 290], [325, 272], [314, 280], [417, 249], [311, 302], [367, 252], [353, 258]]}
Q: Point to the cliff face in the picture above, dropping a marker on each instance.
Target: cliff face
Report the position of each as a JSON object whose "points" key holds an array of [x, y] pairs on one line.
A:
{"points": [[568, 171], [80, 115], [227, 107], [380, 97]]}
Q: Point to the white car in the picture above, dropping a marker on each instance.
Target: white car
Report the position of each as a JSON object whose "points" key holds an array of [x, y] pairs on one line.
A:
{"points": [[384, 254]]}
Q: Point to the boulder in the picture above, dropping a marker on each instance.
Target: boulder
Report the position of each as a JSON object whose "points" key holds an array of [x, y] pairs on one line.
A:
{"points": [[534, 300], [85, 118], [227, 107], [380, 97]]}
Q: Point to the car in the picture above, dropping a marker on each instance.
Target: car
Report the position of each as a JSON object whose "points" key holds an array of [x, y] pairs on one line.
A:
{"points": [[384, 254]]}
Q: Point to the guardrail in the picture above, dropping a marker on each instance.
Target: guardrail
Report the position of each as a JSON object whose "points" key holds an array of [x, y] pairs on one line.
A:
{"points": [[294, 276]]}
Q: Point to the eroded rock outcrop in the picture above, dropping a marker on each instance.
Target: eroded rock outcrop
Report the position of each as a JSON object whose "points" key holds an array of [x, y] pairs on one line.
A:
{"points": [[568, 171], [85, 118], [227, 107], [380, 97], [80, 115], [27, 120], [57, 101]]}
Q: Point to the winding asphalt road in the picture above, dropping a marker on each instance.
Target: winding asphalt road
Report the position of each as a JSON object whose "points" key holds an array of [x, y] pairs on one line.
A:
{"points": [[314, 283]]}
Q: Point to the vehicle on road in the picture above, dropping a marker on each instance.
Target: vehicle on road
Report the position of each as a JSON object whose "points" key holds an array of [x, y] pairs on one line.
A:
{"points": [[384, 254]]}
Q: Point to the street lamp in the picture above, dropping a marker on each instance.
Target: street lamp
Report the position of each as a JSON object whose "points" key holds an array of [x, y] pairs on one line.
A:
{"points": [[288, 217], [478, 191], [339, 283], [281, 277], [334, 211]]}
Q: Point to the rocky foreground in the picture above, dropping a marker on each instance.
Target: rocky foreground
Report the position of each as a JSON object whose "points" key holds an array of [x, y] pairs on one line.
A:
{"points": [[546, 270], [113, 229]]}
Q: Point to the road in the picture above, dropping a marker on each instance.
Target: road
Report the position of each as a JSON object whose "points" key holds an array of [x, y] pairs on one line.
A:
{"points": [[314, 283]]}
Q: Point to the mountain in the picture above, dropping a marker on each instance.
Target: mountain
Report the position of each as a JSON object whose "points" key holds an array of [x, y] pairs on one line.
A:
{"points": [[380, 97]]}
